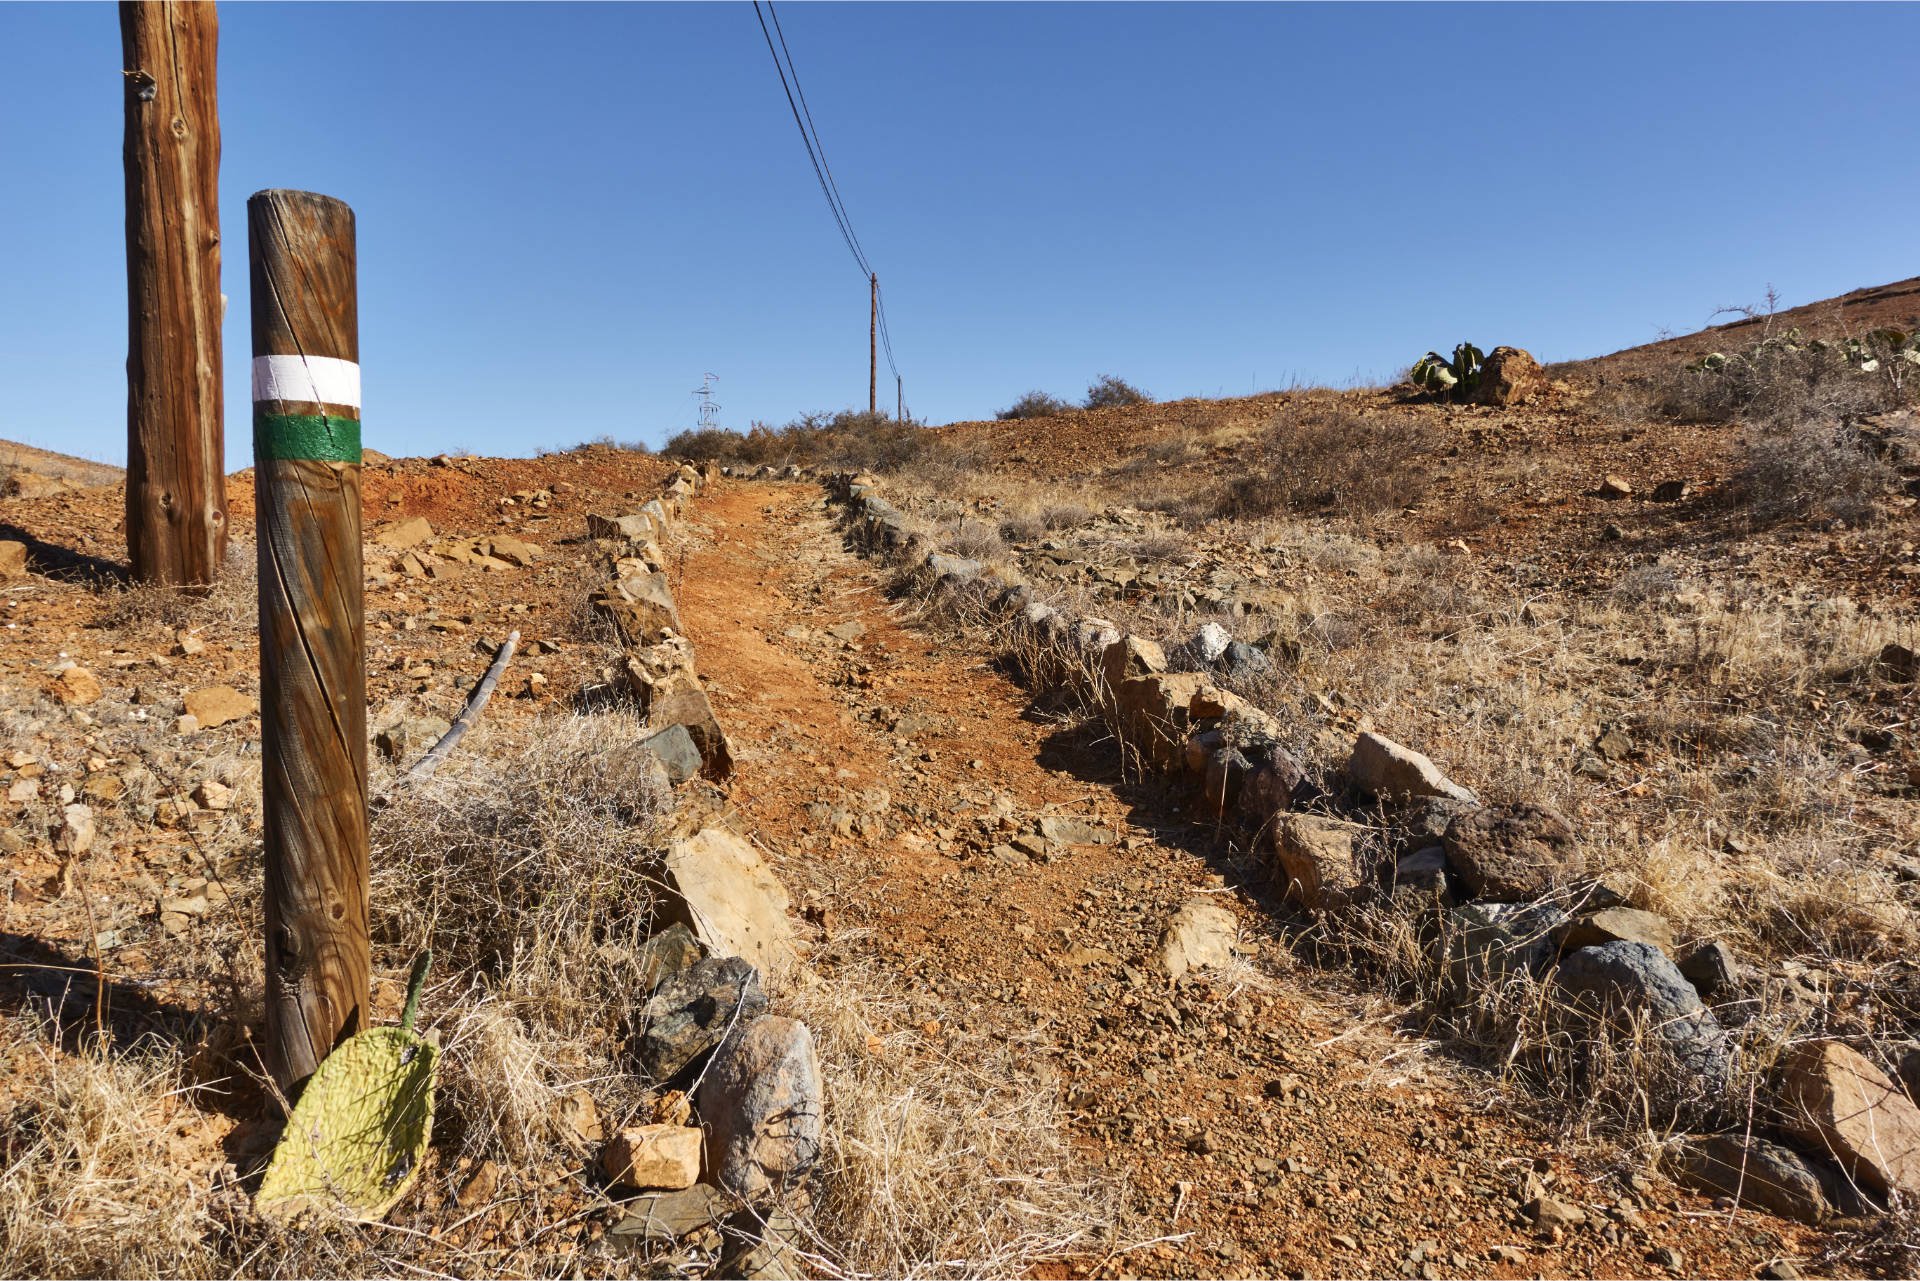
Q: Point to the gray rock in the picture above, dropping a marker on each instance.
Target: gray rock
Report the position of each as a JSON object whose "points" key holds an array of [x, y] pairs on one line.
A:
{"points": [[847, 631], [762, 1104], [1488, 943], [661, 1218], [762, 1245], [1711, 967], [674, 746], [1241, 660], [1275, 782], [1631, 978], [1209, 643], [942, 565], [1511, 853], [690, 1012], [1424, 871], [692, 709], [1766, 1175]]}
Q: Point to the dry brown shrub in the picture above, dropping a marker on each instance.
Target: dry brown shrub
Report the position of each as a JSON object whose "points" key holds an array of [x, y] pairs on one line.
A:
{"points": [[231, 603], [1321, 454]]}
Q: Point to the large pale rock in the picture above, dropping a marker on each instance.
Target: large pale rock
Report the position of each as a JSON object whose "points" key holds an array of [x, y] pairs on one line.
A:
{"points": [[654, 1156], [1513, 853], [762, 1103], [1392, 771], [731, 900], [1152, 713], [1199, 936], [692, 1011], [1510, 376], [1316, 857], [401, 534], [217, 705], [1835, 1099]]}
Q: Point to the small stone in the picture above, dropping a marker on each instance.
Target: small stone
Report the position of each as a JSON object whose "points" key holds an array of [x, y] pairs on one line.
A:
{"points": [[187, 725], [1614, 487], [580, 1117], [217, 705], [76, 830], [23, 790], [1395, 772], [1668, 1257], [77, 687], [1671, 491], [1612, 534], [1546, 1212], [13, 559], [213, 795], [480, 1187], [1064, 829], [1200, 935], [654, 1156], [1710, 966], [1511, 1254], [189, 645], [849, 631]]}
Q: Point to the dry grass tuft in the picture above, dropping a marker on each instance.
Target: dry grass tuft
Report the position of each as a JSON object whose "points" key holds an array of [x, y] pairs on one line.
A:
{"points": [[944, 1156], [231, 603]]}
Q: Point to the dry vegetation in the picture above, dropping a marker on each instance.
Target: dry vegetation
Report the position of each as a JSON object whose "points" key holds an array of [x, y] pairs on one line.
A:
{"points": [[1754, 791], [528, 865]]}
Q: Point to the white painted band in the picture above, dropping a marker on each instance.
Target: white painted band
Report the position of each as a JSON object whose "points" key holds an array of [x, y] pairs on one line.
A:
{"points": [[324, 380]]}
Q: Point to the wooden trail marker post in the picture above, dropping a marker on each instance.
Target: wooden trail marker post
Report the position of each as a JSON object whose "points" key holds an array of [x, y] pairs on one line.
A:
{"points": [[176, 444], [313, 681]]}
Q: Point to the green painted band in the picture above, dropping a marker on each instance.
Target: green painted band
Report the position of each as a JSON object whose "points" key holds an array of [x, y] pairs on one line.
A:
{"points": [[327, 438]]}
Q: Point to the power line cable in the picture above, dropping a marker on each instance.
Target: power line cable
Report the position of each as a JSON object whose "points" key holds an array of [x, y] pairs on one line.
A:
{"points": [[819, 148], [846, 232], [822, 171]]}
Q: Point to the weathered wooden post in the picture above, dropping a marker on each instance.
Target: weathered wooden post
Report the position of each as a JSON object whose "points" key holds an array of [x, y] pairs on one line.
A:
{"points": [[176, 451], [313, 706]]}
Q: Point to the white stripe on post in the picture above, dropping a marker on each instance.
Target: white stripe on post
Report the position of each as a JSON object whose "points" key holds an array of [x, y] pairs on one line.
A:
{"points": [[320, 380]]}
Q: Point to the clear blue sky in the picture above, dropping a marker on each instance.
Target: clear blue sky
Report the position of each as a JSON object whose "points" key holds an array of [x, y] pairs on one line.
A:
{"points": [[568, 213]]}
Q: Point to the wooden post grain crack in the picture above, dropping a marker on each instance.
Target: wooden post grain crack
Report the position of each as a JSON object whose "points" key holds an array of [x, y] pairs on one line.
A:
{"points": [[313, 706], [176, 452]]}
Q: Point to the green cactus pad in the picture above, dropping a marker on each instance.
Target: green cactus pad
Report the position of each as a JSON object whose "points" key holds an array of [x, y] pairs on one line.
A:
{"points": [[355, 1141]]}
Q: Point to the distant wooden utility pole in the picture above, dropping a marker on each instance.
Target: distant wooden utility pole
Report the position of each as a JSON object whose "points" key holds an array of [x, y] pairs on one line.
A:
{"points": [[873, 348], [176, 481], [899, 400], [313, 677]]}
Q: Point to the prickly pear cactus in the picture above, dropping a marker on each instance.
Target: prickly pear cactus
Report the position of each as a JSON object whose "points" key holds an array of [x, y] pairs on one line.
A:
{"points": [[357, 1136]]}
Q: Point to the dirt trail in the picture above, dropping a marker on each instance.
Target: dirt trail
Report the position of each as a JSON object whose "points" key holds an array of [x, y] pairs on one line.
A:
{"points": [[1267, 1118]]}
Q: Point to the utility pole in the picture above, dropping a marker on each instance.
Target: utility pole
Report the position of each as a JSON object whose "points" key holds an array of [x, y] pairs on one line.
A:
{"points": [[176, 457], [873, 349], [899, 401], [313, 671]]}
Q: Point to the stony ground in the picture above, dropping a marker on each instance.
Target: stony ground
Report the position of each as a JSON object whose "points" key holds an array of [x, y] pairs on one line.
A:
{"points": [[1267, 1118]]}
